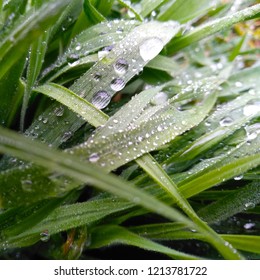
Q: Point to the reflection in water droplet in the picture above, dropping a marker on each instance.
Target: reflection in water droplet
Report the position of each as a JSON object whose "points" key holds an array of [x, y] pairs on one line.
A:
{"points": [[93, 157], [45, 236], [121, 66], [150, 48], [101, 99], [226, 121], [117, 84]]}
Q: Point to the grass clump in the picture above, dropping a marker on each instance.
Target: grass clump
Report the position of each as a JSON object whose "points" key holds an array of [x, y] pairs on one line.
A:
{"points": [[131, 126]]}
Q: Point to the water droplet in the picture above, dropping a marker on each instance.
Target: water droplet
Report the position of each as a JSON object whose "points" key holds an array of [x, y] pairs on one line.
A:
{"points": [[45, 236], [102, 54], [252, 107], [26, 185], [121, 66], [117, 84], [66, 136], [159, 98], [58, 111], [238, 84], [78, 48], [101, 99], [44, 120], [93, 157], [150, 48], [237, 178], [226, 121], [249, 225], [249, 205]]}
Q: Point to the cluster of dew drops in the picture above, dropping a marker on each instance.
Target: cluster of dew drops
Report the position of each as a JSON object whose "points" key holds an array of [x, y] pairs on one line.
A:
{"points": [[148, 49]]}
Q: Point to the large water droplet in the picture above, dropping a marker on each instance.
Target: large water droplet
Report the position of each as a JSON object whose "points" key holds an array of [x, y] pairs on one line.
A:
{"points": [[121, 66], [159, 98], [252, 107], [93, 157], [101, 99], [226, 121], [117, 84], [150, 48]]}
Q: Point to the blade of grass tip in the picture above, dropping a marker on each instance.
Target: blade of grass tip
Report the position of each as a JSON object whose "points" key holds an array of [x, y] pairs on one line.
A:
{"points": [[37, 53], [131, 8], [152, 168], [211, 27], [79, 105], [147, 6], [93, 15]]}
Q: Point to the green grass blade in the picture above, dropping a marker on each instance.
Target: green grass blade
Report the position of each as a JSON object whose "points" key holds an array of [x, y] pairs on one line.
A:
{"points": [[79, 105], [211, 27], [25, 148], [16, 42], [109, 235], [244, 242], [184, 11], [36, 58]]}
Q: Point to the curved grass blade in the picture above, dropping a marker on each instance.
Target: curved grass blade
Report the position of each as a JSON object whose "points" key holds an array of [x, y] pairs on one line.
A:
{"points": [[77, 104], [211, 27], [100, 76], [184, 11], [25, 30], [239, 201], [36, 58], [109, 235], [70, 165]]}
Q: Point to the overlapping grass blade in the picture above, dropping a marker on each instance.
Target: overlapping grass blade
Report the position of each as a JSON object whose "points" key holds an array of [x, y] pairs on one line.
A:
{"points": [[211, 27], [26, 29]]}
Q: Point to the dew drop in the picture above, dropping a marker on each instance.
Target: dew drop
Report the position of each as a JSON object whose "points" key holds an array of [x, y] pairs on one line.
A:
{"points": [[249, 225], [26, 185], [93, 157], [226, 121], [78, 48], [150, 48], [101, 99], [159, 98], [45, 236], [121, 66], [117, 84], [238, 178], [251, 108], [238, 84], [249, 205], [59, 111], [44, 120], [66, 136]]}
